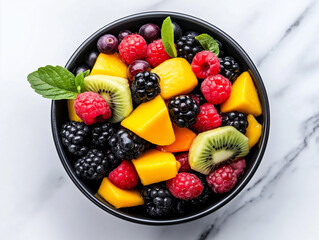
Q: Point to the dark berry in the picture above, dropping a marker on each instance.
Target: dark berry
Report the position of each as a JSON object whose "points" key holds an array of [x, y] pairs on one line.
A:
{"points": [[91, 58], [188, 47], [112, 160], [191, 34], [75, 136], [145, 87], [159, 202], [206, 194], [81, 68], [101, 133], [229, 68], [136, 67], [183, 110], [221, 50], [123, 34], [236, 119], [150, 32], [126, 145], [92, 166], [177, 31], [107, 44]]}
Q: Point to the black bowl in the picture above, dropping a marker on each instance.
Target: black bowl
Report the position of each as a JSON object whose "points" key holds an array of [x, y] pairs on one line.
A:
{"points": [[59, 113]]}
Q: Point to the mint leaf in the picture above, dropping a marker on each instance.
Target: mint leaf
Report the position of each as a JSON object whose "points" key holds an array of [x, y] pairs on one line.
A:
{"points": [[79, 81], [208, 43], [86, 73], [167, 34], [54, 83]]}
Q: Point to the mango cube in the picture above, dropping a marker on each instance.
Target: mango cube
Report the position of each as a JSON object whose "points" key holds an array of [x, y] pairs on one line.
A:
{"points": [[72, 115], [119, 198], [150, 121], [109, 64], [177, 77], [156, 166], [244, 97], [253, 131]]}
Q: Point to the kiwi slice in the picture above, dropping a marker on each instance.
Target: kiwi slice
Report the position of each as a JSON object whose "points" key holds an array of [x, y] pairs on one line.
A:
{"points": [[115, 91], [212, 148]]}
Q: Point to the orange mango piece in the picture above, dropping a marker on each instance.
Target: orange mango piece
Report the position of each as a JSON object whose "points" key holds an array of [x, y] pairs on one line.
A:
{"points": [[183, 140], [244, 97], [71, 111], [156, 166], [109, 64], [150, 121], [119, 198], [177, 77], [253, 131]]}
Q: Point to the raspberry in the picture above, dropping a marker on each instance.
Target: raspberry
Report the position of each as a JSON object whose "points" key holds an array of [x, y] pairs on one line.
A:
{"points": [[239, 166], [207, 119], [195, 98], [222, 180], [183, 159], [156, 53], [204, 64], [132, 47], [216, 89], [185, 186], [91, 108], [124, 176]]}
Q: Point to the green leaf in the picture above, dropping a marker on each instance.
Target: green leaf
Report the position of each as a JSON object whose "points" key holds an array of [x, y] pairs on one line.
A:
{"points": [[79, 82], [167, 34], [208, 43], [54, 83], [86, 73]]}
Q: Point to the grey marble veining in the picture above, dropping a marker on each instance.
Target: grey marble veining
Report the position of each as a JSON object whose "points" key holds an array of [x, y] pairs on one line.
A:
{"points": [[39, 201]]}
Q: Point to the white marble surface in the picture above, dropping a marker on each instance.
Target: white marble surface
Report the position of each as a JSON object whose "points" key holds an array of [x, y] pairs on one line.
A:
{"points": [[39, 201]]}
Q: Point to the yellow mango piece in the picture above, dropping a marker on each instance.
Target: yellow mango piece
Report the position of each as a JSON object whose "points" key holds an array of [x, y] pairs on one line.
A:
{"points": [[244, 97], [150, 121], [253, 131], [119, 198], [109, 64], [176, 76], [71, 111], [156, 166]]}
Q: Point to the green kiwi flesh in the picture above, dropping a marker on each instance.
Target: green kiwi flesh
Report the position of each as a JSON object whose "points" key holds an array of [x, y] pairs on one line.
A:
{"points": [[115, 91], [212, 148]]}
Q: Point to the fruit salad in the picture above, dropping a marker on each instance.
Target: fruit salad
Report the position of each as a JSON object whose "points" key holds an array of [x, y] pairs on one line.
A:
{"points": [[161, 119]]}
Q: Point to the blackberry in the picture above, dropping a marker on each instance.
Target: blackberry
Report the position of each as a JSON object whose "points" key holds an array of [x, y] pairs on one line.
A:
{"points": [[221, 51], [229, 68], [92, 166], [113, 161], [145, 87], [75, 136], [126, 145], [188, 47], [101, 134], [159, 202], [236, 119], [205, 195], [183, 110]]}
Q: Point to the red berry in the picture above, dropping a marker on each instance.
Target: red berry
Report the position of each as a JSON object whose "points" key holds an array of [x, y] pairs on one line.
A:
{"points": [[91, 108], [183, 159], [132, 47], [156, 53], [204, 64], [124, 176], [216, 89], [207, 119], [185, 186], [239, 166], [222, 180]]}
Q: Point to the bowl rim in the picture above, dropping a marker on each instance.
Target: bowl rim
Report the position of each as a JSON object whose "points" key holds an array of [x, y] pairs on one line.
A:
{"points": [[237, 189]]}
